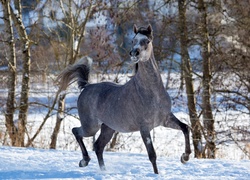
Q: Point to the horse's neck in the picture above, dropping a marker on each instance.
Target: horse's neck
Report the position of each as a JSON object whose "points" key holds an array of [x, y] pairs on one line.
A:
{"points": [[148, 74]]}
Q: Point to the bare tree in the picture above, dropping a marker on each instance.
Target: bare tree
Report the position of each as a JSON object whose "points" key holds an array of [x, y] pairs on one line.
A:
{"points": [[12, 72], [232, 79], [26, 43], [13, 14], [76, 25], [187, 69], [235, 53], [206, 85]]}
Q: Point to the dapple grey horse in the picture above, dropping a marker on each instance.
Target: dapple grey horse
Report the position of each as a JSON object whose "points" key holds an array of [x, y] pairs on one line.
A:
{"points": [[139, 105]]}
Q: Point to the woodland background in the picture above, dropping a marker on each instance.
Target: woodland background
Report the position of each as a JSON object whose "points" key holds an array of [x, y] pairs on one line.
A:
{"points": [[205, 43]]}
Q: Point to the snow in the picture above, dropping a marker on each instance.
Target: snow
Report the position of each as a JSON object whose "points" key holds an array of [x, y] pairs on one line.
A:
{"points": [[130, 160], [30, 163]]}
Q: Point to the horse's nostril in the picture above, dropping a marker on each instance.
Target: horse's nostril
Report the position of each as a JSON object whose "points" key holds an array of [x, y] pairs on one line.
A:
{"points": [[137, 53], [134, 52]]}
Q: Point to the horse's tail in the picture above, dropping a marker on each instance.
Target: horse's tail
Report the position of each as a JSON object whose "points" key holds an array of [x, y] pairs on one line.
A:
{"points": [[78, 71]]}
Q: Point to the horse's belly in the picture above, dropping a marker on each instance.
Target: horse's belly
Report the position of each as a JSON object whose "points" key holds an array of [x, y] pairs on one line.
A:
{"points": [[131, 122], [121, 125]]}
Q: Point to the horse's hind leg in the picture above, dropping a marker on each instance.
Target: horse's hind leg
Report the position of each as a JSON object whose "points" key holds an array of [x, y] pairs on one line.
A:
{"points": [[77, 131], [185, 130], [103, 139], [146, 137]]}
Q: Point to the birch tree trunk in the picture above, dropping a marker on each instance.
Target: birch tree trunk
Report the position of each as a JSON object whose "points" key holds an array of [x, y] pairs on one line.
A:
{"points": [[187, 71], [206, 95], [11, 58], [23, 106]]}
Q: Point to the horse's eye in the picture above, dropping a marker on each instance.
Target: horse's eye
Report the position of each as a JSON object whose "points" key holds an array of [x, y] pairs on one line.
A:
{"points": [[144, 42]]}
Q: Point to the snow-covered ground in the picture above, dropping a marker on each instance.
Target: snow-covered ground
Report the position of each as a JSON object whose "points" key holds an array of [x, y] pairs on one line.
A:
{"points": [[22, 163], [129, 161]]}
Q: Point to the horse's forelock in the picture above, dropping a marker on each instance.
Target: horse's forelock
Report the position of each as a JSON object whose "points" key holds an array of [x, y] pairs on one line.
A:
{"points": [[146, 32]]}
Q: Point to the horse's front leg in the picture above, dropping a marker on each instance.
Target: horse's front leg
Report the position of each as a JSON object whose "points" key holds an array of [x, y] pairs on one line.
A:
{"points": [[185, 130], [145, 134], [175, 123], [105, 136]]}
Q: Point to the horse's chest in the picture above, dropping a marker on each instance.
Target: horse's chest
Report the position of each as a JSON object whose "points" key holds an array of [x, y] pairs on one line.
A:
{"points": [[156, 102], [156, 108]]}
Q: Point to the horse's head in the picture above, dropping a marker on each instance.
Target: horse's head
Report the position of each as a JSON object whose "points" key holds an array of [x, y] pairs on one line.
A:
{"points": [[142, 44]]}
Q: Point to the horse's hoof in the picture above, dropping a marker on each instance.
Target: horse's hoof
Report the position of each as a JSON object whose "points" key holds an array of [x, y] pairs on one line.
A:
{"points": [[184, 158], [84, 162]]}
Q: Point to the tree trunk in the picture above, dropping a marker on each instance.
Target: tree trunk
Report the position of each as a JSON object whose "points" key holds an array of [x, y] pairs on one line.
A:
{"points": [[11, 57], [23, 106], [187, 71], [113, 141], [60, 116], [206, 96]]}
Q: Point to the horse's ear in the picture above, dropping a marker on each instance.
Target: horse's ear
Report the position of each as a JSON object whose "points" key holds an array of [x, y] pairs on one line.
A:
{"points": [[135, 29], [150, 30]]}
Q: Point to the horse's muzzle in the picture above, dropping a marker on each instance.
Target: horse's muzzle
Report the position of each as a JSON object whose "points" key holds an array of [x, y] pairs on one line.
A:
{"points": [[134, 53], [134, 59]]}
